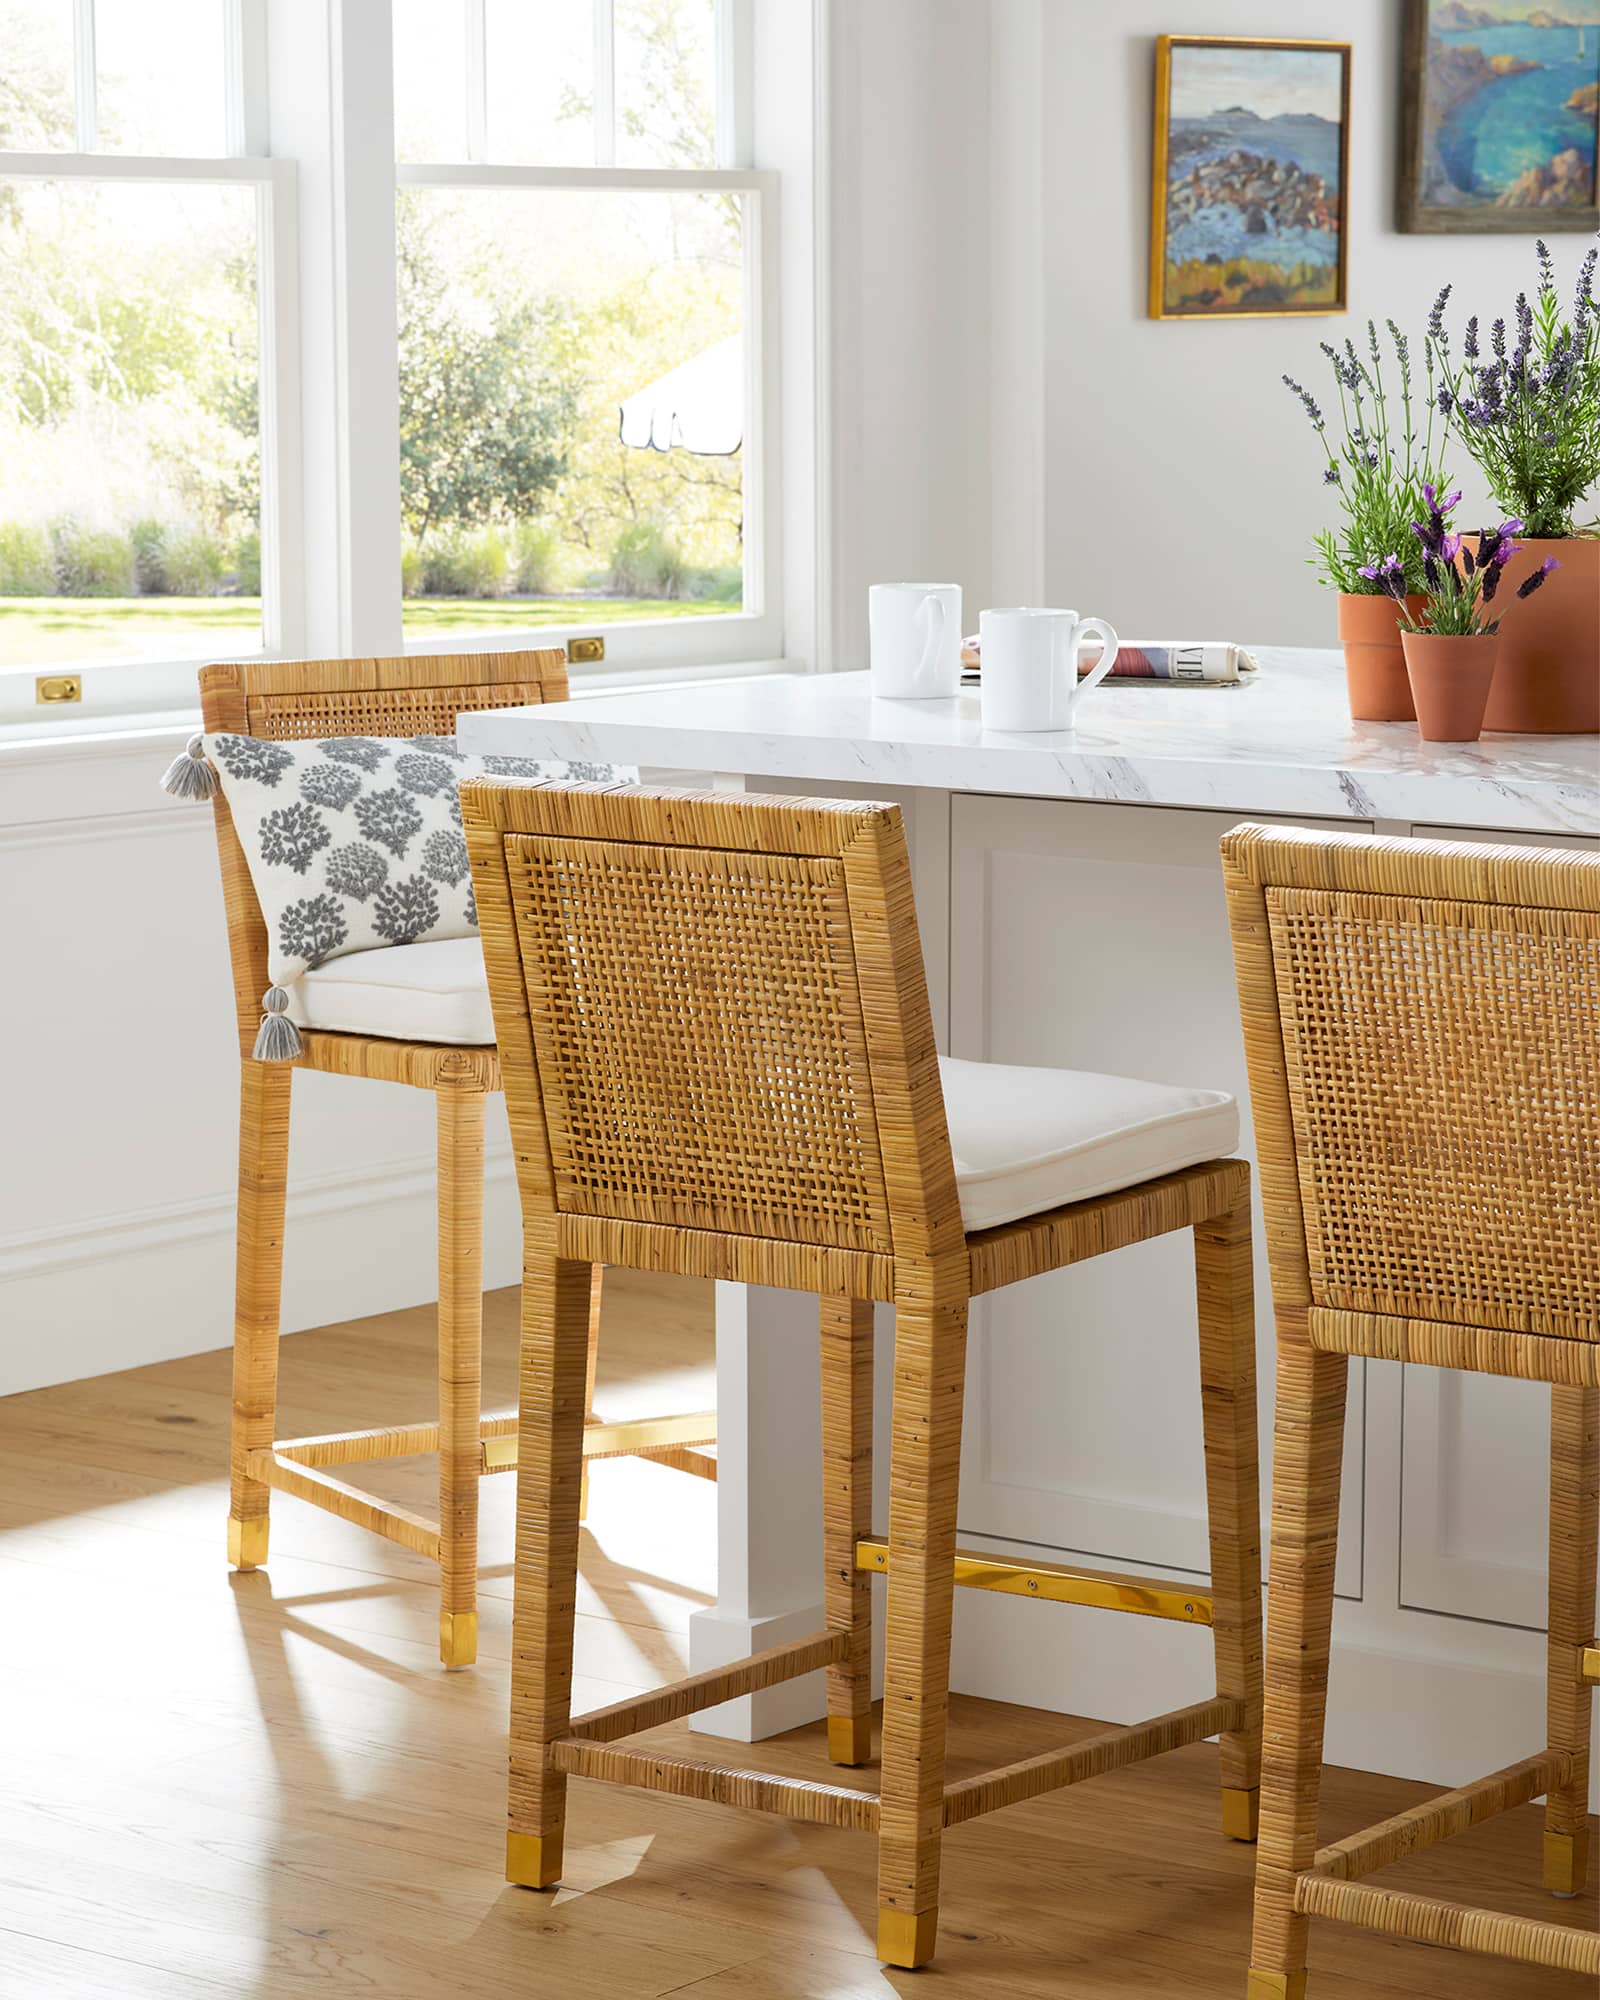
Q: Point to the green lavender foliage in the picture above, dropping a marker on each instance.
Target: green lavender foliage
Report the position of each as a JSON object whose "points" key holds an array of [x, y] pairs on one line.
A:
{"points": [[1378, 459]]}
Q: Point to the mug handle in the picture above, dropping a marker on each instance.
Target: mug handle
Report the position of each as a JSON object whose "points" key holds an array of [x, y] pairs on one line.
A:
{"points": [[1107, 660], [933, 637]]}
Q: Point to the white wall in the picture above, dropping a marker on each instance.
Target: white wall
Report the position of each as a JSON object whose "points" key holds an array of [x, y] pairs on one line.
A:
{"points": [[910, 442], [1181, 482]]}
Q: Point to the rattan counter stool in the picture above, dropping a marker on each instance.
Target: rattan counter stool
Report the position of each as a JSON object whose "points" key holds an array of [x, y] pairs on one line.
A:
{"points": [[1422, 1021], [311, 699], [719, 1059]]}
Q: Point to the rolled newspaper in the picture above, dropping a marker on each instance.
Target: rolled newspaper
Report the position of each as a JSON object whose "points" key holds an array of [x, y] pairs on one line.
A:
{"points": [[1210, 662]]}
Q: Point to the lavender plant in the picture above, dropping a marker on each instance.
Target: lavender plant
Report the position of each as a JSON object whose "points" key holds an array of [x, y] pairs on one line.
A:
{"points": [[1528, 409], [1377, 460], [1459, 582]]}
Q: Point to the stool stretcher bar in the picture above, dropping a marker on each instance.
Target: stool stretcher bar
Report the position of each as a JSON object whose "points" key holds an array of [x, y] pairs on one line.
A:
{"points": [[1055, 1583], [1112, 1750], [1440, 1818], [306, 1482], [638, 1437], [687, 1697], [584, 1749], [1427, 1920]]}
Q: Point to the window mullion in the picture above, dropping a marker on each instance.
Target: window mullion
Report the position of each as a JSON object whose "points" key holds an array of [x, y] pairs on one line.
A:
{"points": [[84, 85], [245, 46], [605, 82], [477, 81]]}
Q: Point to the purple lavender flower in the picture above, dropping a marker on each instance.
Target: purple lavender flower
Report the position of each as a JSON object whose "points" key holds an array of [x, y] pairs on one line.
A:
{"points": [[1330, 475], [1547, 265], [1497, 338], [1436, 317], [1469, 350], [1530, 584], [1389, 574], [1308, 403], [1445, 399]]}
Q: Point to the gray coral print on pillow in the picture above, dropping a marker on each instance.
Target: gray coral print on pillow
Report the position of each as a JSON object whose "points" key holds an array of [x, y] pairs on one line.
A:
{"points": [[329, 785], [365, 752], [355, 843], [312, 928], [444, 857], [248, 757], [292, 836], [425, 774], [357, 870], [405, 909], [390, 818]]}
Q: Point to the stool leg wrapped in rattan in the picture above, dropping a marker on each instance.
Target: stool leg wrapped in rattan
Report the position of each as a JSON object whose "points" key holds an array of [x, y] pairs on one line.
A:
{"points": [[312, 699], [719, 1060], [1424, 1053]]}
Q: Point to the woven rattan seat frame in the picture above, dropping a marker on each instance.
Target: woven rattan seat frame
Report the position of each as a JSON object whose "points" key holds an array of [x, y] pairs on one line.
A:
{"points": [[305, 700], [719, 1059], [1422, 1021]]}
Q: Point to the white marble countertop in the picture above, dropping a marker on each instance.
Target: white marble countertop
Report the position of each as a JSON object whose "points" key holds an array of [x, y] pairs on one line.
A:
{"points": [[1282, 742]]}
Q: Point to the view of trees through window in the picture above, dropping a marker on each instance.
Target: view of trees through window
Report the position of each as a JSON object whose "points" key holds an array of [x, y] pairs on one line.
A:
{"points": [[129, 456], [571, 367], [571, 371]]}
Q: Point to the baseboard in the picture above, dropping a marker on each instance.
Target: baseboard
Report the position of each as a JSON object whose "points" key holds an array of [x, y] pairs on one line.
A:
{"points": [[150, 1284]]}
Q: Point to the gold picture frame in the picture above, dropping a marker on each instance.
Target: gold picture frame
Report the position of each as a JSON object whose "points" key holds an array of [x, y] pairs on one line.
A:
{"points": [[1237, 284]]}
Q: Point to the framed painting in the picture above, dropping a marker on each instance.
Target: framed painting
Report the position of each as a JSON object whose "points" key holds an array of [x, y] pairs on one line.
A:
{"points": [[1252, 154], [1499, 107]]}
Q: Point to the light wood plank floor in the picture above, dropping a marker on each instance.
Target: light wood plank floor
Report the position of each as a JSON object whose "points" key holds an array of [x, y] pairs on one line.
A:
{"points": [[263, 1786]]}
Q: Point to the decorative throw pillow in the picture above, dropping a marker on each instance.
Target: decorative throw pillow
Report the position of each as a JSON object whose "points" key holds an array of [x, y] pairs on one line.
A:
{"points": [[353, 843]]}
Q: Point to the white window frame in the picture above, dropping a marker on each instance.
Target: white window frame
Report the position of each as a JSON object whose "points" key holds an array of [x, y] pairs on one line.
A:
{"points": [[113, 687], [754, 633]]}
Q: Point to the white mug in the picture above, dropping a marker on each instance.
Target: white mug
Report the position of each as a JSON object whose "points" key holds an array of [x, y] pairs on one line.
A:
{"points": [[1028, 663], [916, 640]]}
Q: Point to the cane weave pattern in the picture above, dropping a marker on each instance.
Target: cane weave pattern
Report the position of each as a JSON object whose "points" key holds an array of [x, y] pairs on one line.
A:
{"points": [[388, 711], [699, 1036], [1443, 1063]]}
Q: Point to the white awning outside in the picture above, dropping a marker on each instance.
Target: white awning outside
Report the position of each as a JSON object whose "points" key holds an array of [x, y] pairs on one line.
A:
{"points": [[697, 406]]}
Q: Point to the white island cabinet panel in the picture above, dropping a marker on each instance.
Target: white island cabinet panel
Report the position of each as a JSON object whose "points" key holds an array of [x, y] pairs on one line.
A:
{"points": [[1475, 1458], [1096, 937]]}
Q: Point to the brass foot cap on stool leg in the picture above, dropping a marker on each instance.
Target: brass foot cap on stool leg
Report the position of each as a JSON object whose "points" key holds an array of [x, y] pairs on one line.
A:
{"points": [[1566, 1863], [533, 1860], [849, 1739], [1241, 1814], [247, 1542], [1276, 1986], [458, 1638], [906, 1938]]}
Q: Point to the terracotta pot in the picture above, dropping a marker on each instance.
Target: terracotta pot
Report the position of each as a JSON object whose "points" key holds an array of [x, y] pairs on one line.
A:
{"points": [[1548, 679], [1374, 665], [1450, 680]]}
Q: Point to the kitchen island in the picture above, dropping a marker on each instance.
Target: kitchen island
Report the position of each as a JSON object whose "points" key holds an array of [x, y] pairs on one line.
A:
{"points": [[1070, 904]]}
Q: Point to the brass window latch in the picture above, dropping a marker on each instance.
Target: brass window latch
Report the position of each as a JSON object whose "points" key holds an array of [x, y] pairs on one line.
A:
{"points": [[50, 688], [584, 652]]}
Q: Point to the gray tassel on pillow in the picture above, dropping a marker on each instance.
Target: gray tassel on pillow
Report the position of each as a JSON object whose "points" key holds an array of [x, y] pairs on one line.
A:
{"points": [[189, 775], [277, 1039]]}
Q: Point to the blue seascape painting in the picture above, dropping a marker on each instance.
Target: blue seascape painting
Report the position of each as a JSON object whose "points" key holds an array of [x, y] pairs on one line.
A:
{"points": [[1511, 101], [1254, 200]]}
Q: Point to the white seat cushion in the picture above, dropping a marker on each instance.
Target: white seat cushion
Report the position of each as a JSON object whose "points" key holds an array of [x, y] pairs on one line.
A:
{"points": [[431, 992], [1026, 1140]]}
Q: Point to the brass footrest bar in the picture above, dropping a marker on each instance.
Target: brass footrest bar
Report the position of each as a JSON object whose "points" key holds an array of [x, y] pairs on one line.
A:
{"points": [[1429, 1921], [305, 1482], [1056, 1583], [1439, 1819], [1590, 1667], [793, 1798], [687, 1697], [639, 1437], [1110, 1751]]}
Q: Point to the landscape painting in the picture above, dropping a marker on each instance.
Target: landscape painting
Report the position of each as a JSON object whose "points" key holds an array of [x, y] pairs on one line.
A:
{"points": [[1500, 103], [1251, 158]]}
